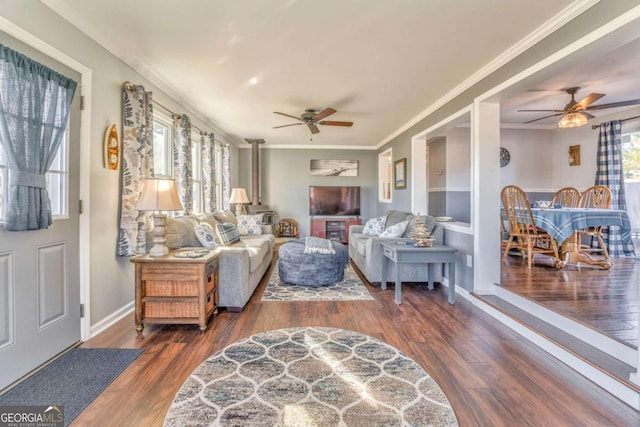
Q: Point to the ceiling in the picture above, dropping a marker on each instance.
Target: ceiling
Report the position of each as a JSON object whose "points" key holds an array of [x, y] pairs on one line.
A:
{"points": [[610, 72], [378, 63]]}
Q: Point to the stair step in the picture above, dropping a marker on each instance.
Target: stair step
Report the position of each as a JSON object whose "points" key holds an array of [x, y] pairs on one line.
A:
{"points": [[609, 365]]}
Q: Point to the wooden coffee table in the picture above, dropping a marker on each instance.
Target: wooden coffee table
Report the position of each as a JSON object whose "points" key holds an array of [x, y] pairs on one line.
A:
{"points": [[408, 254]]}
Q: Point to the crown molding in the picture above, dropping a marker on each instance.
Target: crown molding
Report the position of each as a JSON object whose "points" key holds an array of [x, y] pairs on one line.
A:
{"points": [[562, 18], [313, 147]]}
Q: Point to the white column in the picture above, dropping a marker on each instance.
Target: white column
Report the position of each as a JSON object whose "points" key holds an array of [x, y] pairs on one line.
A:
{"points": [[486, 195]]}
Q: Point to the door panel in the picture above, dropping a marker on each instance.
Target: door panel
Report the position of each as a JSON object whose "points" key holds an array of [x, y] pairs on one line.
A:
{"points": [[52, 284], [39, 269]]}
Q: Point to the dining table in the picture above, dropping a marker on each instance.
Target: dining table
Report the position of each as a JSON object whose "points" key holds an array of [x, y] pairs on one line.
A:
{"points": [[563, 223]]}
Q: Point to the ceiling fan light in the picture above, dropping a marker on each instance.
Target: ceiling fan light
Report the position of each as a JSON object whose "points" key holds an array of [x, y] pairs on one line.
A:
{"points": [[573, 120]]}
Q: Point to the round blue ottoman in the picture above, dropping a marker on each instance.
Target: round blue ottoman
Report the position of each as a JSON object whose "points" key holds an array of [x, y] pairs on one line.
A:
{"points": [[313, 269]]}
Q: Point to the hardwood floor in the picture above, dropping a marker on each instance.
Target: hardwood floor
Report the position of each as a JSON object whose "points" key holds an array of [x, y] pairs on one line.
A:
{"points": [[491, 376], [605, 300]]}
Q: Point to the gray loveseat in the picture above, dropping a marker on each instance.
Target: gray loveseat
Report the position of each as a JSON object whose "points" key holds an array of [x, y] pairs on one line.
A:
{"points": [[240, 266], [366, 250]]}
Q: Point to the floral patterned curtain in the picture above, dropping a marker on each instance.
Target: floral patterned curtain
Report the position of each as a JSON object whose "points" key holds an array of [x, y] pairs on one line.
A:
{"points": [[137, 164], [226, 177], [208, 171], [182, 167]]}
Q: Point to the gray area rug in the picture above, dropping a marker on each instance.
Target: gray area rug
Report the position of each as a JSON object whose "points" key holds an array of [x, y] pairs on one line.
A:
{"points": [[350, 288], [73, 380], [310, 377]]}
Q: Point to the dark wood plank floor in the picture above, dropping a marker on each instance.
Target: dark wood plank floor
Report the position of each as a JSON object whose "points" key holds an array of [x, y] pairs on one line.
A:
{"points": [[606, 300], [491, 376]]}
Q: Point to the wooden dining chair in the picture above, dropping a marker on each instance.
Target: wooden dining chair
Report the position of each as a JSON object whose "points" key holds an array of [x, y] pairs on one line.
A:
{"points": [[596, 197], [567, 197], [523, 234]]}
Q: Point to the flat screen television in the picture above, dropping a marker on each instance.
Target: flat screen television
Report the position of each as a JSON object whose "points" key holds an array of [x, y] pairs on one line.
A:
{"points": [[334, 200]]}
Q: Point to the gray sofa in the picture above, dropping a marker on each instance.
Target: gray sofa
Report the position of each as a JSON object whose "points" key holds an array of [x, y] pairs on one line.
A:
{"points": [[366, 250], [240, 266]]}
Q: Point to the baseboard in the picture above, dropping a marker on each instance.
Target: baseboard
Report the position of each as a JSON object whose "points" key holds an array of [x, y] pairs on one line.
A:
{"points": [[111, 319]]}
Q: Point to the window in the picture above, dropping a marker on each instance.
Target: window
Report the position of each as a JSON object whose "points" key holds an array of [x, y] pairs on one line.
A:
{"points": [[196, 162], [57, 181], [162, 146], [631, 167], [218, 177]]}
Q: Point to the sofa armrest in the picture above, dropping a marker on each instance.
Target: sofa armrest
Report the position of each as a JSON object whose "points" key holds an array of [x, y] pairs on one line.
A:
{"points": [[353, 229], [267, 229], [438, 233]]}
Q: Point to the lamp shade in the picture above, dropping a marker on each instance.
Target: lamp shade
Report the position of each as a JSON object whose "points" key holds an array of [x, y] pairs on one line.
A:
{"points": [[159, 194], [238, 195], [573, 120]]}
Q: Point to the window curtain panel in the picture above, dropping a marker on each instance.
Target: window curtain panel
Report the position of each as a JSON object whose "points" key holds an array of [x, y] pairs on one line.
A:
{"points": [[208, 156], [610, 173], [226, 177], [182, 164], [35, 102], [137, 165]]}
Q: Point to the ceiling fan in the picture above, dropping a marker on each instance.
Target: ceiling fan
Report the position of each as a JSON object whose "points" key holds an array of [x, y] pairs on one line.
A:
{"points": [[575, 113], [312, 117]]}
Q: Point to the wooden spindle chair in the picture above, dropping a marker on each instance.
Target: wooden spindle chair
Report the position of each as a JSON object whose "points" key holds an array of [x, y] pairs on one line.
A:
{"points": [[523, 234], [567, 197], [595, 197]]}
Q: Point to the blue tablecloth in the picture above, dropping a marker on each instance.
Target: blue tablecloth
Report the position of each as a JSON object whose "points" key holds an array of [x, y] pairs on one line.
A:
{"points": [[562, 223]]}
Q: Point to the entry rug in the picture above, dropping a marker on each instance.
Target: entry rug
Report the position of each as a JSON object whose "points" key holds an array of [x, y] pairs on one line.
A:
{"points": [[72, 381], [350, 288], [310, 377]]}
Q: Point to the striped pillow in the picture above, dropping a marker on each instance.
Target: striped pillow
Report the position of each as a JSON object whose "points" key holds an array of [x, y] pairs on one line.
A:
{"points": [[227, 233]]}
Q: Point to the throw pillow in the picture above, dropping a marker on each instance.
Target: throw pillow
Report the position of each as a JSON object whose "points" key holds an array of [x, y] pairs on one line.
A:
{"points": [[225, 216], [206, 235], [374, 226], [395, 230], [250, 225], [227, 234]]}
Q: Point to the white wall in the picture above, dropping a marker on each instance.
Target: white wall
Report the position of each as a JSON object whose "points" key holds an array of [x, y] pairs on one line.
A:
{"points": [[111, 278], [531, 166], [584, 175]]}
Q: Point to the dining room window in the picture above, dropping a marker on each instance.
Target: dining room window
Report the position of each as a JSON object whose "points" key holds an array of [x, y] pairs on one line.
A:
{"points": [[631, 167]]}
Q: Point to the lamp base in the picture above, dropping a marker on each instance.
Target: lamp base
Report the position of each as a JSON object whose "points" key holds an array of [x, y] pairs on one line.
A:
{"points": [[240, 209], [159, 231]]}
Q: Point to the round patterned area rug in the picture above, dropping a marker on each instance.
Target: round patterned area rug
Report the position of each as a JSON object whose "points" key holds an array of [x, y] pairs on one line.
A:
{"points": [[310, 377]]}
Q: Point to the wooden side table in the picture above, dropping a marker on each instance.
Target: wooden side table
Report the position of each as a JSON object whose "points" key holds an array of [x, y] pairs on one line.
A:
{"points": [[176, 290], [408, 254]]}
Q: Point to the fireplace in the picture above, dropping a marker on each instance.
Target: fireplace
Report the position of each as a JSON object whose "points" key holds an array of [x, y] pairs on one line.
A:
{"points": [[268, 216]]}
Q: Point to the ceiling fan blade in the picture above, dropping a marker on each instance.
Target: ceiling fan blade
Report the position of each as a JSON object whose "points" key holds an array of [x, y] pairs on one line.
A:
{"points": [[284, 126], [322, 114], [589, 116], [545, 117], [288, 115], [313, 128], [334, 123], [588, 100], [614, 104], [540, 111]]}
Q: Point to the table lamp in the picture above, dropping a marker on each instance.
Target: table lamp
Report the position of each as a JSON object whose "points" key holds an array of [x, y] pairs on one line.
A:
{"points": [[159, 194], [239, 197]]}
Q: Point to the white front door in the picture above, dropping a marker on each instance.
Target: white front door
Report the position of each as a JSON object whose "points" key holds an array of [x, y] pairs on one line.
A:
{"points": [[39, 269]]}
